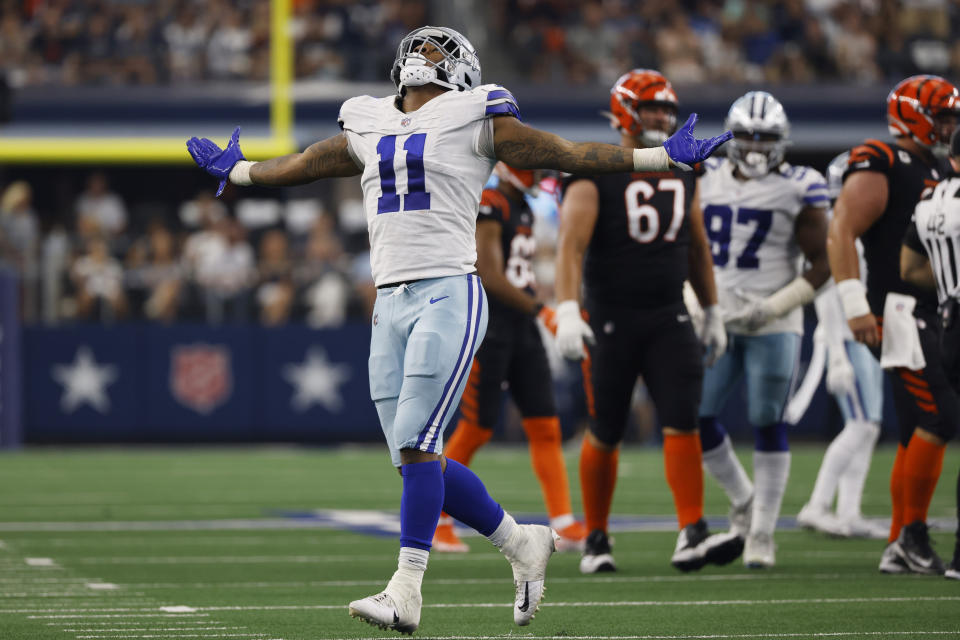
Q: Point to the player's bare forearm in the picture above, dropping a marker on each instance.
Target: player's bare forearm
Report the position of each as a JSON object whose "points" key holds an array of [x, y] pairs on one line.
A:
{"points": [[524, 147], [490, 268], [578, 216], [915, 268], [497, 286], [842, 252], [810, 232], [701, 275], [699, 257], [325, 159]]}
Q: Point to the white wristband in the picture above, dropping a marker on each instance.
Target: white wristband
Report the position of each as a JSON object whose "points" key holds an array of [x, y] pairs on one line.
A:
{"points": [[240, 174], [796, 293], [652, 159], [853, 298]]}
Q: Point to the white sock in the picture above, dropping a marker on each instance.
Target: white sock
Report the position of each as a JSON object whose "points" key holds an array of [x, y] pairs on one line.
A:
{"points": [[411, 564], [835, 461], [770, 472], [562, 521], [722, 463], [850, 494], [503, 531]]}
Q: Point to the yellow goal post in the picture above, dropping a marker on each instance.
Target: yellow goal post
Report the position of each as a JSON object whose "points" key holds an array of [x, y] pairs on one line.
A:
{"points": [[169, 150]]}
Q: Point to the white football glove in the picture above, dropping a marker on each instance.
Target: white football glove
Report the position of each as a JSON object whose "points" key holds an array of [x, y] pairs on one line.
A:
{"points": [[755, 312], [841, 378], [572, 331], [714, 335]]}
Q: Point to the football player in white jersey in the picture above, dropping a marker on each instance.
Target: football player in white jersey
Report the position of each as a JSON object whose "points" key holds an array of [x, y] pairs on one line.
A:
{"points": [[855, 379], [424, 155], [763, 217]]}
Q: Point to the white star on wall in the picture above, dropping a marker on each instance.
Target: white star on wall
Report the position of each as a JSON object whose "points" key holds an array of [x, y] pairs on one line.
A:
{"points": [[317, 381], [84, 382]]}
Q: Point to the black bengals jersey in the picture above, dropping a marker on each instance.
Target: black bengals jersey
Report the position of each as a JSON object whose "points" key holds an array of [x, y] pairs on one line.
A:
{"points": [[517, 243], [908, 175], [637, 256]]}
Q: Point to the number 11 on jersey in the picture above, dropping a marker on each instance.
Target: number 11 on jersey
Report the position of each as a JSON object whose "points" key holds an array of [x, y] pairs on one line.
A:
{"points": [[417, 198]]}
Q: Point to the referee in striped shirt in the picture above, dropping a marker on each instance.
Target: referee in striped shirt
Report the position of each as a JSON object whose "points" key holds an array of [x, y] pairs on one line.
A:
{"points": [[930, 257]]}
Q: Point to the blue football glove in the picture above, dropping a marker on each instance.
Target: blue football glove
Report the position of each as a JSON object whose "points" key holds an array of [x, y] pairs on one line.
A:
{"points": [[685, 150], [214, 160]]}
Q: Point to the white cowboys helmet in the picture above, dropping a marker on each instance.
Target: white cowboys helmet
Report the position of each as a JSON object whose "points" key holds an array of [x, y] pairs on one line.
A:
{"points": [[459, 69], [835, 171], [760, 133]]}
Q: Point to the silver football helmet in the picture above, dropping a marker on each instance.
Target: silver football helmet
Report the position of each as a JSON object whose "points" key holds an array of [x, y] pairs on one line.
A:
{"points": [[835, 171], [760, 133], [459, 69]]}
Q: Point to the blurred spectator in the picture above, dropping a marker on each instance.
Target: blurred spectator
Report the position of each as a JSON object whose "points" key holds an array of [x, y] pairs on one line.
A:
{"points": [[221, 264], [20, 240], [154, 276], [98, 283], [185, 38], [592, 43], [678, 47], [855, 48], [137, 42], [195, 213], [19, 229], [99, 210], [322, 289], [229, 48], [275, 286]]}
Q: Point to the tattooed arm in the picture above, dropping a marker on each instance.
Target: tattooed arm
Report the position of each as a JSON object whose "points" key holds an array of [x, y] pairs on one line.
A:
{"points": [[524, 147], [328, 158]]}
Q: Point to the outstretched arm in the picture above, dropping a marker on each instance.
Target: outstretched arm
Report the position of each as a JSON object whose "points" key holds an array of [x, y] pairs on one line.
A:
{"points": [[524, 147], [329, 158], [325, 159]]}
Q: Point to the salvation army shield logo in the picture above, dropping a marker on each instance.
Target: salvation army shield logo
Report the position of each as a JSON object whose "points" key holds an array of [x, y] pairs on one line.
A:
{"points": [[200, 376]]}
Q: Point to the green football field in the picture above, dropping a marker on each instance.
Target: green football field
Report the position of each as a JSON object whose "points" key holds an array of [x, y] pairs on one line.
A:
{"points": [[271, 543]]}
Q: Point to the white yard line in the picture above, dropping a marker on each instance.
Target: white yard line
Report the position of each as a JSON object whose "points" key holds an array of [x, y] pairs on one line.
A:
{"points": [[184, 635], [739, 636], [80, 613], [735, 577], [112, 615], [130, 629], [353, 558]]}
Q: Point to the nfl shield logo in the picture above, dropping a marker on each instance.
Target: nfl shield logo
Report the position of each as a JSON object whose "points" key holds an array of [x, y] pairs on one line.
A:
{"points": [[405, 122], [200, 376]]}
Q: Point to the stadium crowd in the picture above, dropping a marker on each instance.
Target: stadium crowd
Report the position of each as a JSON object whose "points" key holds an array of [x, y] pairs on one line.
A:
{"points": [[256, 260], [97, 42]]}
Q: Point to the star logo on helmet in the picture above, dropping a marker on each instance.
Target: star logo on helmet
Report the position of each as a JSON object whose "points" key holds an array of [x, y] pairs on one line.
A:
{"points": [[405, 122]]}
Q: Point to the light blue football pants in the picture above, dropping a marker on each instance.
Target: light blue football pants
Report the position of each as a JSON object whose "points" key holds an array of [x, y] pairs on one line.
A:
{"points": [[769, 363], [867, 403], [424, 337]]}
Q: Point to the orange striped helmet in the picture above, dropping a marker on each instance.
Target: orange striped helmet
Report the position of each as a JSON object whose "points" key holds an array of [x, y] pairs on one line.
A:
{"points": [[637, 88], [914, 104]]}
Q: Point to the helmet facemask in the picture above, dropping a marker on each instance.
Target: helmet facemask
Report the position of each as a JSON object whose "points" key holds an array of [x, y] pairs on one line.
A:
{"points": [[459, 68], [760, 134], [756, 153]]}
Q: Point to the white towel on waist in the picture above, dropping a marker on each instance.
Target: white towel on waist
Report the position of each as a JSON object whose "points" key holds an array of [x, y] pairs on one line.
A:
{"points": [[901, 340]]}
